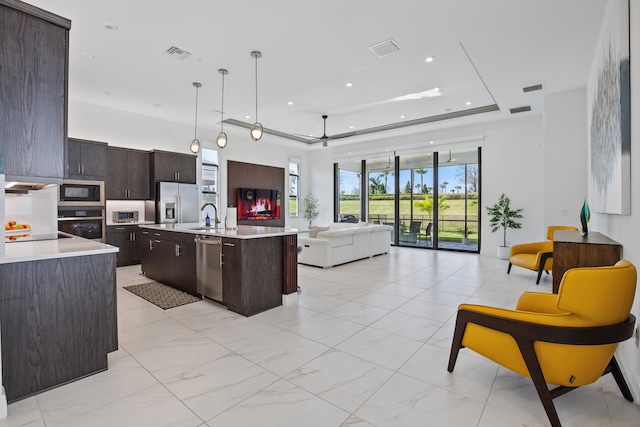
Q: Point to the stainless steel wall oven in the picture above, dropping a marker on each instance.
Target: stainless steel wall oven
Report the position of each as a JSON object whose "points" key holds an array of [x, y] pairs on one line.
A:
{"points": [[82, 221]]}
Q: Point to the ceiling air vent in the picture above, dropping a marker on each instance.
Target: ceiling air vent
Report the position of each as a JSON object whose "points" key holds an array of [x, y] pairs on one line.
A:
{"points": [[531, 88], [385, 48], [520, 109], [176, 52]]}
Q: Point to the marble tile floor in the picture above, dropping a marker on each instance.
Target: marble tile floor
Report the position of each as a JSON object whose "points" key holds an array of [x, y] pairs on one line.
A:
{"points": [[366, 345]]}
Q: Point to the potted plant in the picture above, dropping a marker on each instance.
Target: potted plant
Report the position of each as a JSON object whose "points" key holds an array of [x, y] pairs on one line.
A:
{"points": [[310, 208], [502, 215], [465, 234]]}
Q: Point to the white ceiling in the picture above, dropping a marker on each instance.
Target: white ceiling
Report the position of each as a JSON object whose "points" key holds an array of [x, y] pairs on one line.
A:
{"points": [[485, 52]]}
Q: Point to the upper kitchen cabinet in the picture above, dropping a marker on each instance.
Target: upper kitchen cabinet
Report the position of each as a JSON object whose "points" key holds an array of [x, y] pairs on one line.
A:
{"points": [[33, 92], [127, 174], [173, 167], [85, 160]]}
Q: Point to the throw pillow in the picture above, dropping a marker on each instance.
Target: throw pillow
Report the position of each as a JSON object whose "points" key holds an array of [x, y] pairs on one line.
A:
{"points": [[313, 233]]}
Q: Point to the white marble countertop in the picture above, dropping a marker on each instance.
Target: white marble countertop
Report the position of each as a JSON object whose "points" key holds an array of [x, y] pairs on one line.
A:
{"points": [[242, 232], [50, 249]]}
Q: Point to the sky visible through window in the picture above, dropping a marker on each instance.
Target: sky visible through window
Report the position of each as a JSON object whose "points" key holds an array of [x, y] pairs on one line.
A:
{"points": [[350, 182]]}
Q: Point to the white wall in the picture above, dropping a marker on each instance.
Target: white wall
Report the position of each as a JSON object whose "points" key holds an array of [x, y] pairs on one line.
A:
{"points": [[565, 157]]}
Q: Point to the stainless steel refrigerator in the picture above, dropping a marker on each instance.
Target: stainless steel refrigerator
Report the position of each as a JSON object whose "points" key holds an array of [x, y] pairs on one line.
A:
{"points": [[176, 203]]}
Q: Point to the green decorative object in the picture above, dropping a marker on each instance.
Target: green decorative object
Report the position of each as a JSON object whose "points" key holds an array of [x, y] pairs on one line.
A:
{"points": [[502, 215], [310, 209], [585, 215]]}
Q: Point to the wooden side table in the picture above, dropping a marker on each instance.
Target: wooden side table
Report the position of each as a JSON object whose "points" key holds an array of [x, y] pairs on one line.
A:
{"points": [[571, 250]]}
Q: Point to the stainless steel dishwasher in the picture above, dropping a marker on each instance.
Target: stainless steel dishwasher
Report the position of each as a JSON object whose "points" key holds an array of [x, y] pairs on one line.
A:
{"points": [[209, 266]]}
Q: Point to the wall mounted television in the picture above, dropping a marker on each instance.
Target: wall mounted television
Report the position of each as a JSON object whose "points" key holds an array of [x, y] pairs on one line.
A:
{"points": [[255, 204]]}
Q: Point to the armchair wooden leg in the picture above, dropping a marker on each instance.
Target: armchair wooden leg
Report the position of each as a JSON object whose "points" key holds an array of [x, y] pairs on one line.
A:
{"points": [[456, 344], [614, 368], [531, 360], [509, 269]]}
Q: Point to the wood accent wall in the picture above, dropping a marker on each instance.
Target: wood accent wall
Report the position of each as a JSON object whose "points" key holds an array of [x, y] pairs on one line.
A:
{"points": [[248, 175]]}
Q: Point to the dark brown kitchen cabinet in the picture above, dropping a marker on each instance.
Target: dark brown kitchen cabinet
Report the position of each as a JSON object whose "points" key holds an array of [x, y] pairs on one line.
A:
{"points": [[85, 160], [127, 174], [58, 320], [252, 274], [34, 62], [172, 167], [127, 238], [170, 258]]}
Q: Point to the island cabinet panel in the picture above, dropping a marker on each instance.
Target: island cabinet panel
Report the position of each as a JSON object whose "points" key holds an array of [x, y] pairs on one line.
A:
{"points": [[127, 174], [85, 160], [252, 274], [127, 238], [58, 321], [33, 92], [170, 258]]}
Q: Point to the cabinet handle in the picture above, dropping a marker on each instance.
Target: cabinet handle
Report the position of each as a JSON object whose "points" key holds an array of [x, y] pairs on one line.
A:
{"points": [[230, 244], [82, 168], [221, 255], [178, 250], [178, 176], [150, 245], [157, 234], [120, 228], [78, 168]]}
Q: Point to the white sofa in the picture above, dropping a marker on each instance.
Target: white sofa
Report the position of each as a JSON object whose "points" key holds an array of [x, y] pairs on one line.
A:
{"points": [[340, 243]]}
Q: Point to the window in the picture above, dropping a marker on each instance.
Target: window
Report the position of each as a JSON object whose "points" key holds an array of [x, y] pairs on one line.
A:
{"points": [[349, 174], [210, 176], [294, 189]]}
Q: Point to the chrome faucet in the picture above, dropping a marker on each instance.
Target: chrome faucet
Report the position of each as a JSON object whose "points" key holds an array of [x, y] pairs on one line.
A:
{"points": [[216, 221]]}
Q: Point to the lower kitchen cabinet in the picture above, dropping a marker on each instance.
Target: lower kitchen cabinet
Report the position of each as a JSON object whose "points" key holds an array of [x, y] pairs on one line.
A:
{"points": [[252, 274], [170, 258], [127, 238], [58, 321]]}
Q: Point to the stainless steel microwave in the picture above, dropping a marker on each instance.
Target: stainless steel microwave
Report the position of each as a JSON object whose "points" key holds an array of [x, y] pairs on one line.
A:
{"points": [[81, 193], [125, 216]]}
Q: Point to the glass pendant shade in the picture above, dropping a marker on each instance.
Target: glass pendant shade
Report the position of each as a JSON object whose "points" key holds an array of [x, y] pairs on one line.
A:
{"points": [[221, 140], [256, 128], [256, 131], [195, 144]]}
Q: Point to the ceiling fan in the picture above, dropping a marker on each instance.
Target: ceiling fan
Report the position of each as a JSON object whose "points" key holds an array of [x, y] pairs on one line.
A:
{"points": [[325, 139]]}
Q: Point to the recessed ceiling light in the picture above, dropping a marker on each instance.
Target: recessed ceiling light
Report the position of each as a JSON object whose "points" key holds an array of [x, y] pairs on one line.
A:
{"points": [[88, 55], [349, 84], [467, 103], [350, 127], [429, 59], [430, 142], [110, 27], [402, 116], [247, 116], [290, 103]]}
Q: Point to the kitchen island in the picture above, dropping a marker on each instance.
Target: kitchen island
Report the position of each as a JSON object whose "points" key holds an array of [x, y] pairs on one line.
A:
{"points": [[58, 316], [258, 265]]}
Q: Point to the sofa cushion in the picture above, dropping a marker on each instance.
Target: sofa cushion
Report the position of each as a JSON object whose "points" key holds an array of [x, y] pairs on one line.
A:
{"points": [[313, 231]]}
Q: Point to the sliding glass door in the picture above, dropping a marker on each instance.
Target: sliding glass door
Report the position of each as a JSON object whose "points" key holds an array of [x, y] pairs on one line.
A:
{"points": [[457, 194], [416, 200], [430, 199]]}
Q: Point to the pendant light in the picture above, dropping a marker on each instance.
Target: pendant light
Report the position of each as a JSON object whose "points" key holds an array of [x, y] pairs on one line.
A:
{"points": [[256, 128], [195, 144], [221, 140]]}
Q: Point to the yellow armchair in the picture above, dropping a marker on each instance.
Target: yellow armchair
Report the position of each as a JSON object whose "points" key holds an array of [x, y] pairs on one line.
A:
{"points": [[536, 256], [566, 339]]}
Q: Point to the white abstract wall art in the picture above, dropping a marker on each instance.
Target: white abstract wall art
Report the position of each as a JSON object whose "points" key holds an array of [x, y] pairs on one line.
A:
{"points": [[609, 109]]}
